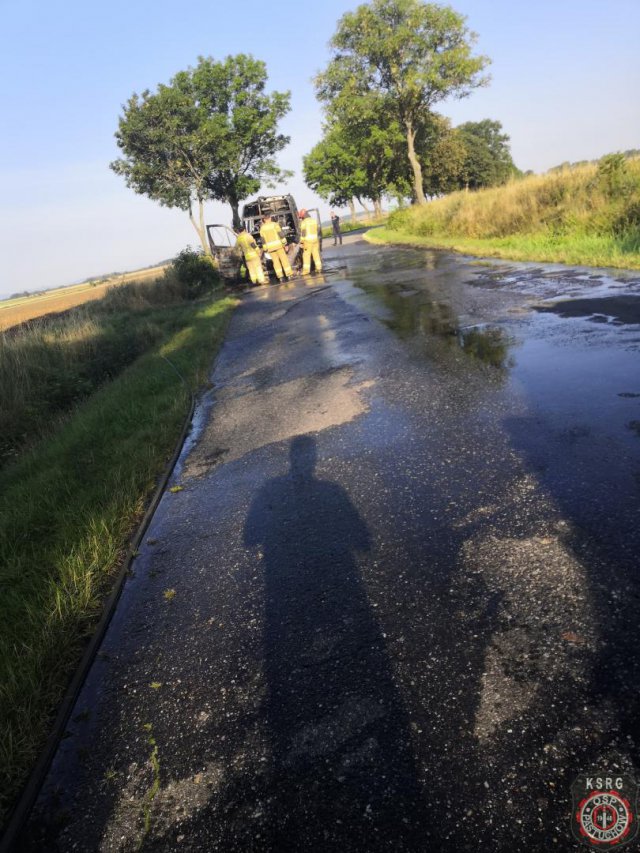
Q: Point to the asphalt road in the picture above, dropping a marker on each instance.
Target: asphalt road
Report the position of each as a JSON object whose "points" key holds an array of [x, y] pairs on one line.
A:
{"points": [[394, 606]]}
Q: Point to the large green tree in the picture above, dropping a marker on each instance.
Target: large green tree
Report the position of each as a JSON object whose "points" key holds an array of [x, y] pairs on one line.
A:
{"points": [[211, 133], [358, 155], [373, 133], [441, 152], [331, 169], [411, 54], [487, 160]]}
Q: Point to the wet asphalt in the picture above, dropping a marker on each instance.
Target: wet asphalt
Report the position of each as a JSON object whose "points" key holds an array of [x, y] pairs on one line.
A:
{"points": [[394, 605]]}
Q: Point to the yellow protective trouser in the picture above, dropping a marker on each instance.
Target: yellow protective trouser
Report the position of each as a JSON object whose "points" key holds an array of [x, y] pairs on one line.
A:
{"points": [[254, 268], [311, 249], [280, 263]]}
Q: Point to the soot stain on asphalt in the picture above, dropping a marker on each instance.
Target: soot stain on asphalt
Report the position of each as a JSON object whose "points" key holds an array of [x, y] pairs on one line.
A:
{"points": [[618, 309]]}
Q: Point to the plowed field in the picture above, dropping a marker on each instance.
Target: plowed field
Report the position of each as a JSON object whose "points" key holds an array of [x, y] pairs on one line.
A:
{"points": [[15, 311]]}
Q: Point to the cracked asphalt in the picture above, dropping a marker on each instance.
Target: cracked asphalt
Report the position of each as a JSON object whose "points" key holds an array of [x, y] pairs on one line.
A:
{"points": [[394, 606]]}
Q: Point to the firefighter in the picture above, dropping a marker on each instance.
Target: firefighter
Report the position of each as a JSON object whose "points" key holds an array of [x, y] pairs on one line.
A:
{"points": [[274, 243], [310, 243], [251, 253]]}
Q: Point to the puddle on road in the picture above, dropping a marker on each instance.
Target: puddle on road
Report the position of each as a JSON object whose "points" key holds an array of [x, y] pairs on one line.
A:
{"points": [[421, 300], [565, 342], [580, 356]]}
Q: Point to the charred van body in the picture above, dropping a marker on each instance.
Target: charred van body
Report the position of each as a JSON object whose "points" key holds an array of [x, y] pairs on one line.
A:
{"points": [[283, 210]]}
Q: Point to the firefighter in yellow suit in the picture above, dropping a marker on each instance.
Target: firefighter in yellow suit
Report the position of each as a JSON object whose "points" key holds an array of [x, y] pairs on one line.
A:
{"points": [[274, 243], [251, 253], [310, 243]]}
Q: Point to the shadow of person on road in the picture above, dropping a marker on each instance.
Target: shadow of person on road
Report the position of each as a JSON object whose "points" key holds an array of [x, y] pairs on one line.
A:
{"points": [[342, 773]]}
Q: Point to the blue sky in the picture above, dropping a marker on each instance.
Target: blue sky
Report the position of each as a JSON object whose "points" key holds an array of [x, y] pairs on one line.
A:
{"points": [[565, 84]]}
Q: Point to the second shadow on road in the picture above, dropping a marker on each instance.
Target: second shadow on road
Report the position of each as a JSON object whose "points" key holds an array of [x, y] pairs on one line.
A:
{"points": [[342, 773]]}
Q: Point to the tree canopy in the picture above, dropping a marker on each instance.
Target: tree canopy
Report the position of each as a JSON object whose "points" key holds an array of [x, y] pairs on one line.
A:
{"points": [[441, 152], [210, 134], [358, 155], [332, 170], [487, 160], [406, 54]]}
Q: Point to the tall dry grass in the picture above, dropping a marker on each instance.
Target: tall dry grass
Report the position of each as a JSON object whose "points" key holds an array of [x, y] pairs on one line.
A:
{"points": [[594, 208], [52, 364]]}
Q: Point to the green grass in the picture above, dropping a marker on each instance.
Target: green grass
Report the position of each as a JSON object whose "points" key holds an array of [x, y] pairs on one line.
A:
{"points": [[588, 215], [68, 505], [48, 368], [583, 249]]}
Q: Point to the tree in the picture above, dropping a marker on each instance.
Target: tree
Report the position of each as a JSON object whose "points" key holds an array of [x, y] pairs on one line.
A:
{"points": [[358, 154], [374, 136], [442, 154], [331, 169], [409, 53], [210, 134], [487, 161]]}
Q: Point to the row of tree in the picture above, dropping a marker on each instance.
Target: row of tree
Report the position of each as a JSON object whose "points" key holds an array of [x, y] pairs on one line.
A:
{"points": [[344, 166], [393, 61], [212, 132]]}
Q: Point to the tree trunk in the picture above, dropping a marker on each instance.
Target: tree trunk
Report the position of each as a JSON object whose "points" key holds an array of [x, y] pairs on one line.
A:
{"points": [[234, 208], [203, 230], [377, 208], [352, 209], [363, 206], [234, 203], [415, 164], [200, 230]]}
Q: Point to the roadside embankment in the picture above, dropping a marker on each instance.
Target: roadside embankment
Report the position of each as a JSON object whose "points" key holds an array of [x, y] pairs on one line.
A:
{"points": [[587, 215], [91, 412]]}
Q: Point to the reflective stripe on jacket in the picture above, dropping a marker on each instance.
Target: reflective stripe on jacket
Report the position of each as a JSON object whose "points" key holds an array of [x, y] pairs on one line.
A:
{"points": [[309, 230], [272, 238], [248, 246]]}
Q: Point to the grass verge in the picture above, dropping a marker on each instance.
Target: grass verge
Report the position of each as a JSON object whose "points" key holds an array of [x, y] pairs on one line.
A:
{"points": [[585, 250], [587, 215], [67, 508]]}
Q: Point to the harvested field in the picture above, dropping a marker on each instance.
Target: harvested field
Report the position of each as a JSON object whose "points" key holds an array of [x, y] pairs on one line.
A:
{"points": [[24, 308]]}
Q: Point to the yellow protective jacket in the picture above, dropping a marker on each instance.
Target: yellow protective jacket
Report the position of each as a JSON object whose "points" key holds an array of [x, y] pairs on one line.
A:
{"points": [[308, 231], [272, 238], [248, 246]]}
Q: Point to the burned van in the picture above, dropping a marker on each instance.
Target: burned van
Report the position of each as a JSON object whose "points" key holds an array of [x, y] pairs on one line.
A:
{"points": [[222, 242], [283, 210]]}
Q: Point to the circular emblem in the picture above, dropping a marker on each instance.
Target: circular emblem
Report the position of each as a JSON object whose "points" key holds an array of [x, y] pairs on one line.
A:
{"points": [[604, 817]]}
